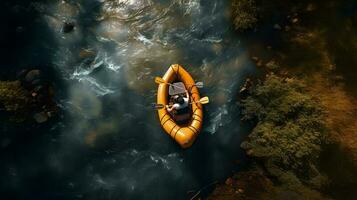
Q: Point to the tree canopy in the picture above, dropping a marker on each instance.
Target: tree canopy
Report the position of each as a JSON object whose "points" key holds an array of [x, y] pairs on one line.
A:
{"points": [[289, 127]]}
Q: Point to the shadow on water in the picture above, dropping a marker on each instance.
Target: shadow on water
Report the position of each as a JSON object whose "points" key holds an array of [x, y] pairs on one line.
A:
{"points": [[25, 39]]}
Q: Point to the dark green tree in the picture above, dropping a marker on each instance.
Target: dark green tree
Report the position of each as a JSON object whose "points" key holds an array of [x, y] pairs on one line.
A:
{"points": [[289, 127]]}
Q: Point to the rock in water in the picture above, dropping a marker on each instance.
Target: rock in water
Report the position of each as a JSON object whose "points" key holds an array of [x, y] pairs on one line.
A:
{"points": [[85, 53], [295, 20], [229, 181], [40, 117], [38, 89], [32, 75], [21, 75], [37, 82], [68, 27], [277, 26]]}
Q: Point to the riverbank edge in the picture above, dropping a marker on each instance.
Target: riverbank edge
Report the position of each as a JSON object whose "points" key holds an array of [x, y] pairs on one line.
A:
{"points": [[325, 84]]}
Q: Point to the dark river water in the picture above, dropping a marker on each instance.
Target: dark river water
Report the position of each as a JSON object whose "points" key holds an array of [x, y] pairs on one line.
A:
{"points": [[107, 142]]}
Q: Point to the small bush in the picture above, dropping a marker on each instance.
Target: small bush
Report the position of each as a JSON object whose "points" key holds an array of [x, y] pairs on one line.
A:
{"points": [[244, 14]]}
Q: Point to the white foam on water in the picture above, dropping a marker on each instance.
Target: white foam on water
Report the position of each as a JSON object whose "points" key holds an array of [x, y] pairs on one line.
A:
{"points": [[192, 7], [143, 39], [94, 85], [166, 161], [112, 30], [218, 119], [83, 72], [123, 9], [109, 63], [213, 40], [100, 182], [137, 170]]}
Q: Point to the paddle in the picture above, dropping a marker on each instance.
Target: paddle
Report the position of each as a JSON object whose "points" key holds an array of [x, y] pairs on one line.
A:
{"points": [[159, 80], [203, 100], [199, 84]]}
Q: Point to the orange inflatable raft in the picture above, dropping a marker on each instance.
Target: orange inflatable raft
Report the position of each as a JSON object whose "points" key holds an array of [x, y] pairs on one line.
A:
{"points": [[184, 134]]}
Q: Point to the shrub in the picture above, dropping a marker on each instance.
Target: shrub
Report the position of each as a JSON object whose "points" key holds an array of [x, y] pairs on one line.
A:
{"points": [[290, 127], [244, 14]]}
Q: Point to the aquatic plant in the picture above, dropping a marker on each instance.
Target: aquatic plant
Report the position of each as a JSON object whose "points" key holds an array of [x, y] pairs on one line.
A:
{"points": [[244, 13], [290, 127]]}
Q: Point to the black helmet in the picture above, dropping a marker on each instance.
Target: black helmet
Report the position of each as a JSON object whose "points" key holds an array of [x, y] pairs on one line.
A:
{"points": [[180, 100]]}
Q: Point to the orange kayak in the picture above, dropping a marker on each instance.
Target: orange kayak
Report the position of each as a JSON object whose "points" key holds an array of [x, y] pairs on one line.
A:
{"points": [[184, 134]]}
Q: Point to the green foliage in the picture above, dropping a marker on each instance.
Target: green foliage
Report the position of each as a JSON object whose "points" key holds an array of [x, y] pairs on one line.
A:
{"points": [[244, 14], [290, 126], [13, 98]]}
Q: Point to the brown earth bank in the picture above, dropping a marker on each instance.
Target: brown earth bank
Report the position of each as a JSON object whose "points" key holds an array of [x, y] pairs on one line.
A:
{"points": [[254, 184], [313, 41]]}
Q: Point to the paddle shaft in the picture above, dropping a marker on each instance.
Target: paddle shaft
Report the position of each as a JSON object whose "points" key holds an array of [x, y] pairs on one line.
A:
{"points": [[160, 80], [179, 86], [160, 106]]}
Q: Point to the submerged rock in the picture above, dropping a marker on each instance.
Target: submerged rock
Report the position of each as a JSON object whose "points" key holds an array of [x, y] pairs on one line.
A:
{"points": [[86, 53], [229, 181], [37, 82], [32, 75], [38, 89], [40, 117], [277, 26], [68, 27]]}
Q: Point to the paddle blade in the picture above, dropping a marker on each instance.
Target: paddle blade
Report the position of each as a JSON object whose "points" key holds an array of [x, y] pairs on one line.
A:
{"points": [[199, 84], [159, 80], [157, 106], [204, 100]]}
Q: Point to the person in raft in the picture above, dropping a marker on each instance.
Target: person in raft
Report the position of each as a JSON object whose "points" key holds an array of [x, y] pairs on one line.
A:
{"points": [[180, 103]]}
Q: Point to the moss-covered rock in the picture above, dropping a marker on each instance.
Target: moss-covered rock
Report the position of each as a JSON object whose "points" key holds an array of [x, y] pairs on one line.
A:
{"points": [[29, 98], [14, 99]]}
